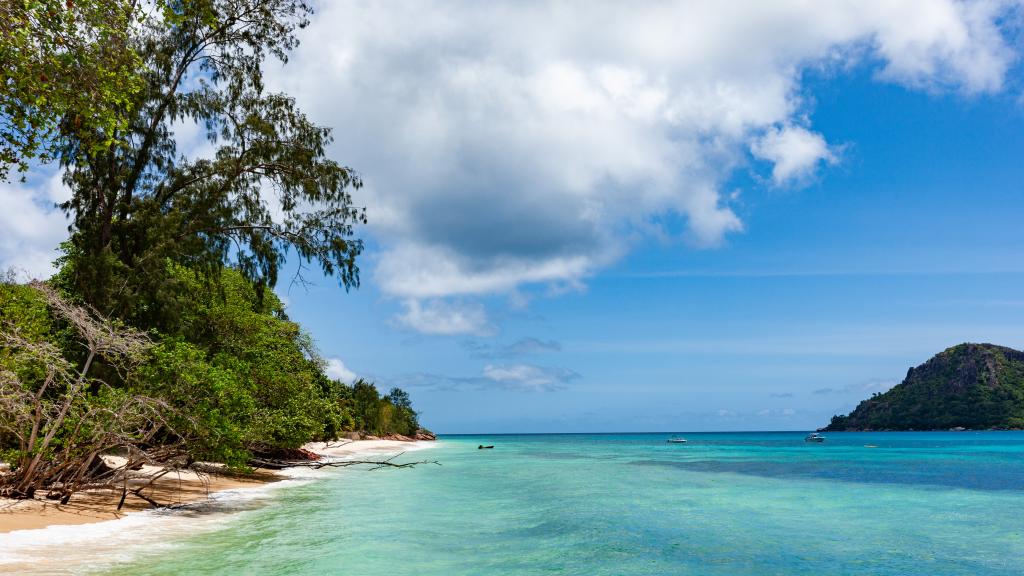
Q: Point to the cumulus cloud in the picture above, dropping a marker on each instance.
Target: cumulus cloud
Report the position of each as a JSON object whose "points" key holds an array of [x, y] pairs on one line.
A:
{"points": [[336, 369], [444, 318], [795, 153], [505, 143]]}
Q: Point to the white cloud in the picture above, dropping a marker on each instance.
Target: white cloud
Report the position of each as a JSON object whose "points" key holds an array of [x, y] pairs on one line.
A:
{"points": [[860, 389], [519, 377], [444, 318], [31, 226], [783, 413], [937, 44], [507, 143], [529, 377], [418, 272], [336, 369], [794, 151]]}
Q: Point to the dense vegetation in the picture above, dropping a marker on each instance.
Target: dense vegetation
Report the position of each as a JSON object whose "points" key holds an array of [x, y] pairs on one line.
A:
{"points": [[238, 378], [159, 336], [973, 386], [63, 62]]}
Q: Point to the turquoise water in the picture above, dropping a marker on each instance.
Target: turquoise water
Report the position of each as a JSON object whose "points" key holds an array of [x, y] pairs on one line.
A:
{"points": [[723, 504]]}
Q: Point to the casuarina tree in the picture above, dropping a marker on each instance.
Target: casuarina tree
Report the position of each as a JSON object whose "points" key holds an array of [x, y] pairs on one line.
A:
{"points": [[264, 188]]}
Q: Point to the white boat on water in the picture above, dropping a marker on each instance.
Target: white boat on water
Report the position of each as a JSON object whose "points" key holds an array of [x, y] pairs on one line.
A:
{"points": [[676, 440], [814, 437]]}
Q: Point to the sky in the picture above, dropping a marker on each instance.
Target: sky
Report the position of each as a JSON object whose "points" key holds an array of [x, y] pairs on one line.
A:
{"points": [[674, 216]]}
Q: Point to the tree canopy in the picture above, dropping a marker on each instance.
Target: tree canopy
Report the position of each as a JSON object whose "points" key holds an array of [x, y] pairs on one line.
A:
{"points": [[266, 189], [64, 66], [159, 336]]}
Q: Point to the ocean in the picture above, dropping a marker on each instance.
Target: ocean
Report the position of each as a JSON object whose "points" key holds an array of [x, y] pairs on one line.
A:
{"points": [[732, 504]]}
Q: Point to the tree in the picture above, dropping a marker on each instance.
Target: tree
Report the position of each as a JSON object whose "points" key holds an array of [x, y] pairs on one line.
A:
{"points": [[140, 204], [64, 63], [400, 398], [62, 418], [248, 377], [405, 420], [365, 405]]}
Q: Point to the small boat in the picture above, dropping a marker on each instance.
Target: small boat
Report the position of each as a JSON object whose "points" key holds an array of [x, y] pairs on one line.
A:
{"points": [[676, 440], [814, 437], [482, 447]]}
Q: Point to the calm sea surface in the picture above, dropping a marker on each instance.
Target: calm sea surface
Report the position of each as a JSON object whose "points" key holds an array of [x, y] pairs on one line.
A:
{"points": [[723, 504]]}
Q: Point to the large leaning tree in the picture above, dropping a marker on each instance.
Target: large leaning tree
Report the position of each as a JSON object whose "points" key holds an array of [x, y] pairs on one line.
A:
{"points": [[64, 65], [267, 189]]}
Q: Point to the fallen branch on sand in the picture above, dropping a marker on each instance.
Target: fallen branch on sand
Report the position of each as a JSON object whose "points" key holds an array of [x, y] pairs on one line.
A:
{"points": [[273, 464]]}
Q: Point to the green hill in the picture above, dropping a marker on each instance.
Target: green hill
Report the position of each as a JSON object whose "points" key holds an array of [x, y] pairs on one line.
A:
{"points": [[974, 386]]}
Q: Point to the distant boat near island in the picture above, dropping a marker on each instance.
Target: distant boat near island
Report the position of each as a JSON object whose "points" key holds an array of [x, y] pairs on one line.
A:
{"points": [[676, 440]]}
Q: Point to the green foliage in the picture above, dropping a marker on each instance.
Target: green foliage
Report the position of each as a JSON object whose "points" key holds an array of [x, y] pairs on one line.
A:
{"points": [[404, 420], [140, 203], [183, 248], [974, 386], [213, 404], [64, 66], [237, 376], [250, 375], [24, 312], [365, 406], [364, 409], [56, 415]]}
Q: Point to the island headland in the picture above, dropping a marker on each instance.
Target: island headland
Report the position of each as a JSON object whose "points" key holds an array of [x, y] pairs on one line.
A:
{"points": [[969, 386]]}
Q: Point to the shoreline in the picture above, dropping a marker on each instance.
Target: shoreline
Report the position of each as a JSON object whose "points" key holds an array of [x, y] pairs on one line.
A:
{"points": [[184, 487]]}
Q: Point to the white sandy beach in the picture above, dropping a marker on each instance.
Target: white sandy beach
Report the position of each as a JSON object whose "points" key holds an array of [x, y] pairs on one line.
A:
{"points": [[88, 531], [360, 448], [175, 488]]}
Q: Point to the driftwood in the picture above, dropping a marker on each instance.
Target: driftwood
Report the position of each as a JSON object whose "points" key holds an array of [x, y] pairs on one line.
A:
{"points": [[270, 464], [339, 443], [59, 429], [61, 433]]}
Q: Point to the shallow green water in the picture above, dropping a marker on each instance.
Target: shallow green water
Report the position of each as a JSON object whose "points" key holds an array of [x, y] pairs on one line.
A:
{"points": [[729, 504]]}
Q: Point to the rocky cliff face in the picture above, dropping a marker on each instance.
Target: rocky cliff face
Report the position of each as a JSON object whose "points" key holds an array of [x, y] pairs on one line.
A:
{"points": [[973, 386]]}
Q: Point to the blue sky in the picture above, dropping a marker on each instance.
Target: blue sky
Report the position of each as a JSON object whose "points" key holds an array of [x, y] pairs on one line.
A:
{"points": [[911, 244], [685, 217]]}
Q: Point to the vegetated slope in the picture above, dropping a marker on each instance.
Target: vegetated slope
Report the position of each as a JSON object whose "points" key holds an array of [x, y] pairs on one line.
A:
{"points": [[974, 386]]}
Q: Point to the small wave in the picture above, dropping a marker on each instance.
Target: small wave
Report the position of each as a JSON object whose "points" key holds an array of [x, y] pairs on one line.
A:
{"points": [[103, 543]]}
